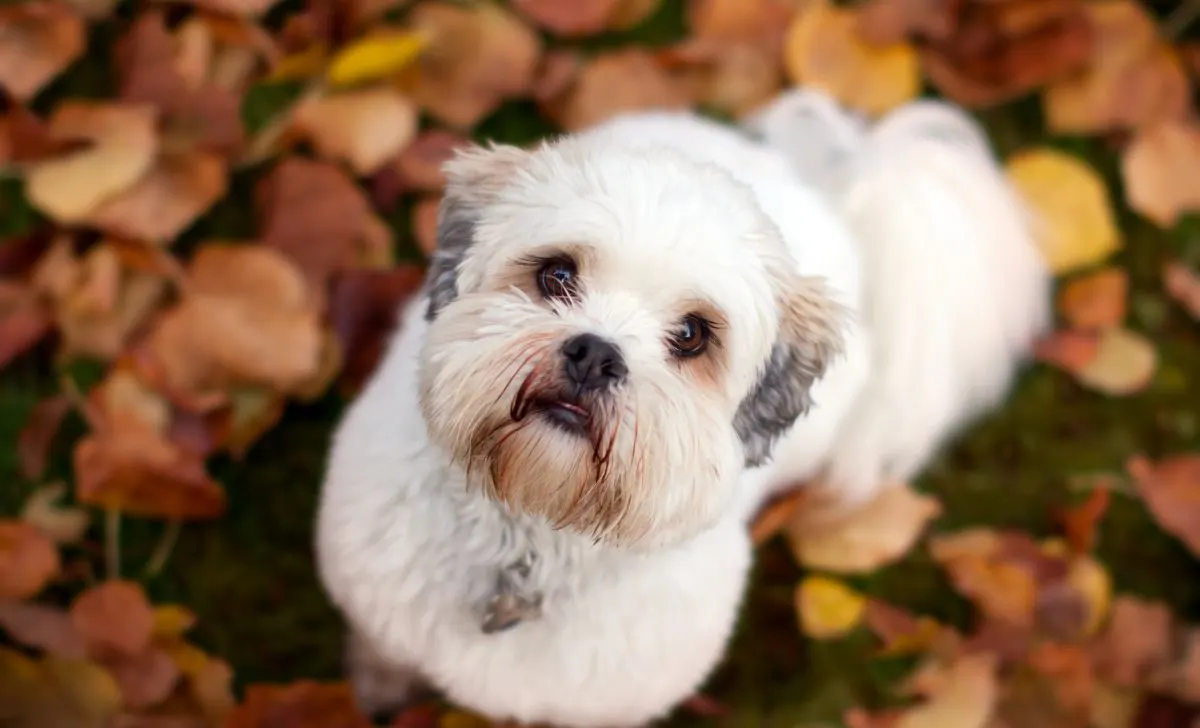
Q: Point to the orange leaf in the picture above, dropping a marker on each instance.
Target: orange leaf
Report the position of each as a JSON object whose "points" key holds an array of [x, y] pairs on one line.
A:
{"points": [[1171, 491], [114, 618], [1080, 522], [38, 40], [1095, 301], [28, 560], [303, 704], [1161, 170], [615, 82]]}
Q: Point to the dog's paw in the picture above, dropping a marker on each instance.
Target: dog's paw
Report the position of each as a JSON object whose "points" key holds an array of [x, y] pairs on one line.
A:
{"points": [[381, 688]]}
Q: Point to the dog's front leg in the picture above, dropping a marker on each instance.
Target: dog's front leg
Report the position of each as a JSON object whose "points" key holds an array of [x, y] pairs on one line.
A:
{"points": [[514, 598]]}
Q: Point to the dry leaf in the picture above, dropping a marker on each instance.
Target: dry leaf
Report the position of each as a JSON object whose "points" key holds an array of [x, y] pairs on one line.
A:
{"points": [[569, 20], [419, 166], [1182, 284], [1095, 301], [883, 22], [1092, 582], [775, 515], [732, 77], [1161, 170], [828, 608], [114, 618], [1081, 521], [71, 187], [1132, 79], [42, 628], [901, 632], [64, 525], [975, 560], [1136, 642], [1077, 226], [377, 56], [28, 560], [303, 704], [364, 310], [824, 51], [177, 190], [963, 694], [1115, 361], [613, 83], [365, 128], [1171, 491], [763, 22], [478, 57], [425, 224], [23, 323], [876, 533], [38, 40], [56, 693], [37, 436]]}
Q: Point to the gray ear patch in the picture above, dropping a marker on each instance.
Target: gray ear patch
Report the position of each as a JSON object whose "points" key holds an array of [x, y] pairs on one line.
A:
{"points": [[455, 234], [779, 397]]}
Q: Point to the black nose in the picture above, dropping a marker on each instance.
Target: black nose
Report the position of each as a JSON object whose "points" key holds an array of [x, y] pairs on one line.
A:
{"points": [[592, 363]]}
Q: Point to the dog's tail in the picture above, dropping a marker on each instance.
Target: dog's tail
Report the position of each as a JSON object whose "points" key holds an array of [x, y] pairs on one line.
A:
{"points": [[955, 290]]}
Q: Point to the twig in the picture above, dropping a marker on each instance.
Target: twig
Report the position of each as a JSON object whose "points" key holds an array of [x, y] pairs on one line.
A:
{"points": [[166, 544], [112, 542], [1180, 19]]}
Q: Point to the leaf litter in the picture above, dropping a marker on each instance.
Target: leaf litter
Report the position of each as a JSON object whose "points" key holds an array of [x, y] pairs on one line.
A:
{"points": [[205, 340]]}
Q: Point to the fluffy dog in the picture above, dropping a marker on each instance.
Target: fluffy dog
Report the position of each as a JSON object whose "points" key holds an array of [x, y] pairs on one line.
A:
{"points": [[629, 339]]}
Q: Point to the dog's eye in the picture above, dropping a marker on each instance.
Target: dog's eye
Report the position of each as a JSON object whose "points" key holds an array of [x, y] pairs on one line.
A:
{"points": [[556, 278], [691, 338]]}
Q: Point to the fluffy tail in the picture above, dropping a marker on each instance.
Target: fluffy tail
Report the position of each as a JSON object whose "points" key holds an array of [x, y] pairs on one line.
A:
{"points": [[955, 289]]}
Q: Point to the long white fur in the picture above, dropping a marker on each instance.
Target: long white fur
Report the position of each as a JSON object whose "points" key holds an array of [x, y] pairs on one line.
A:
{"points": [[913, 227]]}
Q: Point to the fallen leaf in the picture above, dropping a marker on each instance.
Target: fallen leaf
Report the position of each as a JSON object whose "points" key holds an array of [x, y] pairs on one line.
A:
{"points": [[824, 51], [1161, 171], [883, 22], [1136, 642], [1068, 670], [37, 435], [1001, 588], [1114, 706], [171, 621], [425, 214], [365, 127], [828, 608], [43, 628], [177, 190], [701, 706], [764, 22], [38, 40], [874, 534], [248, 8], [478, 56], [71, 187], [1182, 284], [420, 164], [775, 515], [64, 525], [23, 323], [211, 685], [145, 679], [1170, 489], [374, 57], [964, 695], [1116, 361], [463, 719], [114, 618], [587, 17], [1132, 79], [901, 632], [1095, 301], [302, 704], [1081, 521], [615, 82], [734, 78], [364, 312], [1077, 226], [28, 560], [56, 693], [1092, 582]]}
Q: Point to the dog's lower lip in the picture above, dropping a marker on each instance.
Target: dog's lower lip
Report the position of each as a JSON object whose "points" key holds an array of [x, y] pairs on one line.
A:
{"points": [[565, 414]]}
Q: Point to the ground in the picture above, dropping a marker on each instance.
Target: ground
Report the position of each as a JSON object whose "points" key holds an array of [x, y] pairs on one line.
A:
{"points": [[250, 578]]}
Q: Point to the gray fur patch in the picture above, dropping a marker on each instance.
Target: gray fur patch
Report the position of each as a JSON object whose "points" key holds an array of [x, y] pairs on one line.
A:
{"points": [[780, 396], [455, 234]]}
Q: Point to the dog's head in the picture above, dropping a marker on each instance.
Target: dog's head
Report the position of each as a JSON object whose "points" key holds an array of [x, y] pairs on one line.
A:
{"points": [[613, 336]]}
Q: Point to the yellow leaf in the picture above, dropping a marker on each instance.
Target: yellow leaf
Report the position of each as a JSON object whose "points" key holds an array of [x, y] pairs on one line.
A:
{"points": [[375, 57], [303, 64], [460, 719], [56, 692], [874, 534], [190, 660], [824, 50], [1092, 581], [1124, 363], [828, 608], [172, 620], [1077, 226]]}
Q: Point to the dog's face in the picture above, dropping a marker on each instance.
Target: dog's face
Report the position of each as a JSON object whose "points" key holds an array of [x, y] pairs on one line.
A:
{"points": [[613, 336]]}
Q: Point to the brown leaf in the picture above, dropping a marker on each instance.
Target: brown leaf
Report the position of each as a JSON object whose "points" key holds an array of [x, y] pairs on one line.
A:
{"points": [[775, 515], [612, 83], [211, 685], [28, 560], [1095, 301], [420, 164], [114, 618], [1161, 171], [1132, 79], [41, 627], [903, 633], [1081, 522], [1136, 641], [962, 695], [313, 213], [1182, 285], [731, 77], [23, 322], [248, 8], [763, 22], [38, 40], [70, 187], [37, 436], [56, 693], [568, 20], [882, 22], [174, 194], [1171, 491], [303, 704], [1001, 588], [364, 310], [478, 57], [363, 127], [425, 223], [146, 678], [824, 50]]}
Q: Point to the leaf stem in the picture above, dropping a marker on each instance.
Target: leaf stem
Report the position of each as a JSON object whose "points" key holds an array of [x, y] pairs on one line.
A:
{"points": [[166, 544], [112, 542]]}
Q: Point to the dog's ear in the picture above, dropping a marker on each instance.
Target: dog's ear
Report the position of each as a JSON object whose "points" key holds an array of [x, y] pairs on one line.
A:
{"points": [[810, 337], [473, 178]]}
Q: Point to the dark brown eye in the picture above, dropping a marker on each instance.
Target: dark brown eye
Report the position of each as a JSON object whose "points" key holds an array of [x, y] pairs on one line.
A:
{"points": [[556, 278], [691, 338]]}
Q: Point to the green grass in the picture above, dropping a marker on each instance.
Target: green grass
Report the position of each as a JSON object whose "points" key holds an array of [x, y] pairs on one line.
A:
{"points": [[250, 576]]}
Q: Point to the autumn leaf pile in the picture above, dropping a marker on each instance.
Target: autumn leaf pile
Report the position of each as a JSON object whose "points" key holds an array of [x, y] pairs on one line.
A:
{"points": [[204, 339]]}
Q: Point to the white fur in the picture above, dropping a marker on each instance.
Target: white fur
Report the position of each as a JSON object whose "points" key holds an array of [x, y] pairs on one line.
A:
{"points": [[918, 238]]}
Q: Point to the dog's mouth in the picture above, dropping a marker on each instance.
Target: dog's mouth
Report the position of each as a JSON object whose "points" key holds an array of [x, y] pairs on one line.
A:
{"points": [[563, 413]]}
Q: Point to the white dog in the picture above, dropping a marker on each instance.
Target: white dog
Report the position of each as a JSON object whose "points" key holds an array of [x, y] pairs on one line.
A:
{"points": [[630, 338]]}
